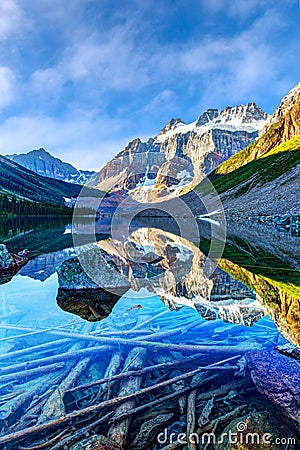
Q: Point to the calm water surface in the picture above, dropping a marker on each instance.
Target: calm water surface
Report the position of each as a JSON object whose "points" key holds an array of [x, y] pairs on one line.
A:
{"points": [[56, 352]]}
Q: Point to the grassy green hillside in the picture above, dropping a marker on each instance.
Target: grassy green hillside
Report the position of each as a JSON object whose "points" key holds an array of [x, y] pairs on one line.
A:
{"points": [[286, 126], [21, 182], [266, 168]]}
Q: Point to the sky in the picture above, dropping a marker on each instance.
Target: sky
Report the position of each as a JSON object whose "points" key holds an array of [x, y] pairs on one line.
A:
{"points": [[82, 78]]}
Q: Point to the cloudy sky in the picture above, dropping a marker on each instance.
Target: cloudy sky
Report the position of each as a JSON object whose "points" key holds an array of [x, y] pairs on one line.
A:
{"points": [[81, 78]]}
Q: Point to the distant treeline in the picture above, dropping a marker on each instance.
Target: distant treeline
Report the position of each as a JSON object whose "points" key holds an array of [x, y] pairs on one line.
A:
{"points": [[11, 206], [14, 207]]}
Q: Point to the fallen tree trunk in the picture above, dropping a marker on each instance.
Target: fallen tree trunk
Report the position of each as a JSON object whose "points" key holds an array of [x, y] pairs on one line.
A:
{"points": [[67, 419], [14, 369], [163, 366], [148, 344], [135, 360]]}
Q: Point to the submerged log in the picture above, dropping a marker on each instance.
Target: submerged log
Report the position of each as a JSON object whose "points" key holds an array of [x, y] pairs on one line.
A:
{"points": [[31, 373], [55, 407], [148, 344], [146, 322], [15, 369], [163, 399], [135, 360], [206, 412], [111, 370], [149, 430], [191, 417], [163, 366]]}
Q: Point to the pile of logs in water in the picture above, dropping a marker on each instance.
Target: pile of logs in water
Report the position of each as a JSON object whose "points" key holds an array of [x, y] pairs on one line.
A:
{"points": [[94, 388]]}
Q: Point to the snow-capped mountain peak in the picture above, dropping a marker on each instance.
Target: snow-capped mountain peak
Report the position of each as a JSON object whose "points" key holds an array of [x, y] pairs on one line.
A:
{"points": [[172, 125], [181, 155], [285, 105], [249, 117]]}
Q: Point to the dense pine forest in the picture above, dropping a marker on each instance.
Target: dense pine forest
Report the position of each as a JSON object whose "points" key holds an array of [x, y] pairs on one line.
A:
{"points": [[12, 206]]}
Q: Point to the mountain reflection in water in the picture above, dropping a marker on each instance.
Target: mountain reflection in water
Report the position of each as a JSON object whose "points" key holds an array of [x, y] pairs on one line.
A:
{"points": [[63, 369]]}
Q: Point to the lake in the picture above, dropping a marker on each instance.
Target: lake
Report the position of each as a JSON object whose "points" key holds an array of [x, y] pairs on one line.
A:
{"points": [[176, 352]]}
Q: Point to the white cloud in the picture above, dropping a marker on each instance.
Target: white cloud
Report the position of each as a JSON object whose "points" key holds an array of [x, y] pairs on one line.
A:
{"points": [[106, 50], [7, 86], [48, 81], [81, 139], [165, 101], [238, 9], [10, 17], [236, 66]]}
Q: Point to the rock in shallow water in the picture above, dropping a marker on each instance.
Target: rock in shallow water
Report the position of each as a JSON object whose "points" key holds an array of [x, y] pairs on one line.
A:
{"points": [[10, 262], [90, 304], [278, 378], [91, 269]]}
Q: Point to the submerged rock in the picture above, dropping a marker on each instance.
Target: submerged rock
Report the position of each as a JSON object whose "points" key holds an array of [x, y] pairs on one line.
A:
{"points": [[90, 304], [10, 262], [278, 378], [91, 269]]}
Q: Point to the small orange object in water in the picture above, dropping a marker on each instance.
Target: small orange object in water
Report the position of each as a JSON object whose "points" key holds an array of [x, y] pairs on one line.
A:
{"points": [[135, 307]]}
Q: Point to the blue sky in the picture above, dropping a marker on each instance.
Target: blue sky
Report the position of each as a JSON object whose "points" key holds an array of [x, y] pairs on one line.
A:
{"points": [[83, 77]]}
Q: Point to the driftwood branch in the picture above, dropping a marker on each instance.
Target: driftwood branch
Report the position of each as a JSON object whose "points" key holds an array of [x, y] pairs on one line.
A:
{"points": [[67, 419], [163, 366], [49, 360], [148, 344]]}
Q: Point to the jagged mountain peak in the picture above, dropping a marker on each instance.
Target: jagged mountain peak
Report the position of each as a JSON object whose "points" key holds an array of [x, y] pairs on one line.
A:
{"points": [[287, 103], [181, 154], [248, 117], [43, 163], [172, 124], [243, 114], [40, 151], [208, 116], [290, 99]]}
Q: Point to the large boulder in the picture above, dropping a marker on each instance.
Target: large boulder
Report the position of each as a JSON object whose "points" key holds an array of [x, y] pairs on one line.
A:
{"points": [[278, 378], [90, 304], [93, 268]]}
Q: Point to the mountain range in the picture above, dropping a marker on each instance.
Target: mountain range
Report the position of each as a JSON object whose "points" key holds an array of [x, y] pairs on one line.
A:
{"points": [[181, 154], [43, 163], [24, 183], [251, 158]]}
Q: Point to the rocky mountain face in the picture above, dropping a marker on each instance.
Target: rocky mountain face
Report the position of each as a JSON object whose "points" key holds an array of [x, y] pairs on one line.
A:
{"points": [[43, 163], [263, 179], [24, 183], [182, 154], [282, 126]]}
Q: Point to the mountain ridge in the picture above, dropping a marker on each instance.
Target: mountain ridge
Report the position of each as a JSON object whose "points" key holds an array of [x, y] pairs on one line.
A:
{"points": [[180, 155], [24, 183], [43, 163], [281, 127], [263, 178]]}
